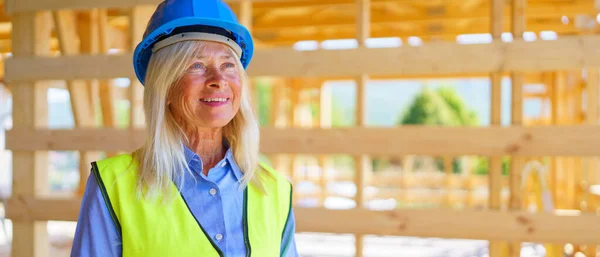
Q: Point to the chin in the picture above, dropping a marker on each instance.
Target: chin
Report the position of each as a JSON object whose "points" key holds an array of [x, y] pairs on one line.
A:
{"points": [[217, 123]]}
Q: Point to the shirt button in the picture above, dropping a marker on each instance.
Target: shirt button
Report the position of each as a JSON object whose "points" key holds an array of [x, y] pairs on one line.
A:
{"points": [[223, 164], [212, 191], [219, 237]]}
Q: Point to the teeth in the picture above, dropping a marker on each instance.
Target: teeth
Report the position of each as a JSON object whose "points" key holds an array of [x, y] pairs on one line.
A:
{"points": [[213, 99]]}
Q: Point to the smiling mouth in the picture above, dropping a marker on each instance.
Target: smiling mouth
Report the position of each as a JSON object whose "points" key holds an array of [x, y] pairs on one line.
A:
{"points": [[210, 100]]}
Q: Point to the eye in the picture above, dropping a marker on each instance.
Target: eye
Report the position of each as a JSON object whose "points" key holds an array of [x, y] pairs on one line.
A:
{"points": [[228, 65], [196, 67]]}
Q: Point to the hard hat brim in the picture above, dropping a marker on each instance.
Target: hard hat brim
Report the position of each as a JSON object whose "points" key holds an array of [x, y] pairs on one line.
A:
{"points": [[143, 51]]}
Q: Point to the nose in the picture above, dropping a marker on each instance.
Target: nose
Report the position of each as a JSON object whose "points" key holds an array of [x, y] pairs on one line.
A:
{"points": [[215, 79]]}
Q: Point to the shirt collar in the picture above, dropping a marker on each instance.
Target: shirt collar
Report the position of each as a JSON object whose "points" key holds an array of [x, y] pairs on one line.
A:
{"points": [[234, 167], [191, 156]]}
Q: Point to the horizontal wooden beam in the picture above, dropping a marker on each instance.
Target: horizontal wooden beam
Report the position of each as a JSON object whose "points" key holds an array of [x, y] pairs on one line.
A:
{"points": [[481, 14], [572, 52], [17, 6], [467, 224], [26, 208], [580, 140], [446, 31]]}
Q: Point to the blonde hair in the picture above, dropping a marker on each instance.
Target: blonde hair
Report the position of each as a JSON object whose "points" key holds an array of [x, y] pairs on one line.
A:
{"points": [[162, 157]]}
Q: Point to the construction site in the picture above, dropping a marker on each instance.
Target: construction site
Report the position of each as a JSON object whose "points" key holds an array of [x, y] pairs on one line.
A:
{"points": [[425, 128]]}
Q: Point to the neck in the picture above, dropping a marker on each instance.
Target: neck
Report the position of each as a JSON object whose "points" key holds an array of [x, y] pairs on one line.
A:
{"points": [[206, 143]]}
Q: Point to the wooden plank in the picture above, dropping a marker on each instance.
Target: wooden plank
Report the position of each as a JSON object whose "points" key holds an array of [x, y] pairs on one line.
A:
{"points": [[107, 90], [29, 208], [577, 140], [80, 91], [497, 248], [445, 223], [450, 32], [17, 6], [592, 174], [65, 22], [517, 83], [468, 224], [362, 163], [569, 52], [31, 36], [138, 19], [451, 17], [89, 43]]}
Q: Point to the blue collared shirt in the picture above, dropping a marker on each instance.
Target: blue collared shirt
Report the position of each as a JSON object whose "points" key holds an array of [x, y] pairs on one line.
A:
{"points": [[215, 200]]}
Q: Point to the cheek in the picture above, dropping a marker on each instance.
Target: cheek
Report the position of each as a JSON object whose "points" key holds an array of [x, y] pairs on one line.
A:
{"points": [[183, 97], [236, 90], [188, 91]]}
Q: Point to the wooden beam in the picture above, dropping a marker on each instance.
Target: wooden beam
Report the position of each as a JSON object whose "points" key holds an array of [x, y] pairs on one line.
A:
{"points": [[80, 91], [138, 19], [107, 90], [480, 14], [592, 174], [450, 31], [31, 36], [467, 224], [573, 52], [19, 6], [517, 82], [362, 163], [65, 22], [496, 9], [576, 140]]}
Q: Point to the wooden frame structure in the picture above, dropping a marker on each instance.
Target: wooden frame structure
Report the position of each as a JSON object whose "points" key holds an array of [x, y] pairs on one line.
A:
{"points": [[31, 68]]}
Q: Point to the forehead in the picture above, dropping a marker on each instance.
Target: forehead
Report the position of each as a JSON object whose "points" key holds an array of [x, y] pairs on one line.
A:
{"points": [[213, 49]]}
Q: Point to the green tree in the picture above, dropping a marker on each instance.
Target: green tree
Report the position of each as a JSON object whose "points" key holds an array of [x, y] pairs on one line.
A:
{"points": [[429, 108], [442, 107], [463, 115], [263, 94]]}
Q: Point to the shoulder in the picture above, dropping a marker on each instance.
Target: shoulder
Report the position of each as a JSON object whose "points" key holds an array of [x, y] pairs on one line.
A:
{"points": [[116, 167], [274, 175], [115, 161], [274, 182]]}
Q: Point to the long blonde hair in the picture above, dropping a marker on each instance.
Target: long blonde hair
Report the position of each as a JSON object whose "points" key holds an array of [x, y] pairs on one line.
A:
{"points": [[162, 157]]}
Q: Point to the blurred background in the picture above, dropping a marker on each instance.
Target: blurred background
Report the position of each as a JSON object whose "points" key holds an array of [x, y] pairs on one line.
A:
{"points": [[560, 178]]}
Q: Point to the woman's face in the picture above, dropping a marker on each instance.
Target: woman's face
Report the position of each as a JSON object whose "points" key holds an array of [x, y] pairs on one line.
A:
{"points": [[209, 91]]}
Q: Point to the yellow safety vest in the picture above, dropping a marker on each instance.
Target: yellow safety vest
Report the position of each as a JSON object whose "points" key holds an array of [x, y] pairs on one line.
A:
{"points": [[151, 228]]}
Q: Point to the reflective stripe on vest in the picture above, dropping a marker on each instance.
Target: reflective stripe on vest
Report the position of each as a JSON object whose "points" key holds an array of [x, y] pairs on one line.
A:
{"points": [[153, 228]]}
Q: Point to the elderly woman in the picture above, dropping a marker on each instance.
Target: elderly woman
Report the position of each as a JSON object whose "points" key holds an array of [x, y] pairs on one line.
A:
{"points": [[196, 187]]}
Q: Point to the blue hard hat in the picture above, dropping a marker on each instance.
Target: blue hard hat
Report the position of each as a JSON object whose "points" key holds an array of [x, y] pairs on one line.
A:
{"points": [[178, 17]]}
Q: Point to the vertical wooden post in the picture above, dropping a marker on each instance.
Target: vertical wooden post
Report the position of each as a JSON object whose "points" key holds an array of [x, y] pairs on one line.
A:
{"points": [[138, 19], [448, 171], [89, 43], [592, 116], [79, 90], [294, 97], [325, 112], [362, 163], [278, 120], [517, 82], [88, 30], [105, 87], [495, 171], [30, 37], [244, 12]]}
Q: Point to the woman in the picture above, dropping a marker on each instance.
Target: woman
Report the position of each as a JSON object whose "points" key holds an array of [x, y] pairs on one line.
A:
{"points": [[195, 188]]}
